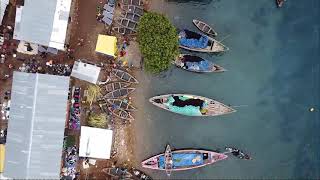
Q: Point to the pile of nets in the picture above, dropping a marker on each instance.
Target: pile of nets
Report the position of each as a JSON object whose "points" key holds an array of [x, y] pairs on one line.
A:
{"points": [[188, 110]]}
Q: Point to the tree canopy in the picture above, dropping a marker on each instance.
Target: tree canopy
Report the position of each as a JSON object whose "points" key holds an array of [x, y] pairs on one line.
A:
{"points": [[158, 41]]}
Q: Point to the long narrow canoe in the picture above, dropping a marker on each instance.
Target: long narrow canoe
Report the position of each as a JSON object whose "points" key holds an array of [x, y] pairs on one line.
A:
{"points": [[132, 2], [123, 30], [191, 105], [133, 9], [121, 104], [116, 85], [117, 172], [184, 160], [204, 27], [213, 46], [124, 76], [196, 64], [119, 93], [122, 114]]}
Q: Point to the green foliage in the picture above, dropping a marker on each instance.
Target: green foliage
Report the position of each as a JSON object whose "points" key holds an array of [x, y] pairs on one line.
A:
{"points": [[97, 120], [158, 41]]}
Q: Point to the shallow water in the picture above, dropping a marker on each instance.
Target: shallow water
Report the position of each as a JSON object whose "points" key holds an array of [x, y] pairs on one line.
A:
{"points": [[272, 80]]}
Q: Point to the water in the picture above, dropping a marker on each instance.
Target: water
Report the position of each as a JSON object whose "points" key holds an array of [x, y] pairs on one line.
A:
{"points": [[273, 75]]}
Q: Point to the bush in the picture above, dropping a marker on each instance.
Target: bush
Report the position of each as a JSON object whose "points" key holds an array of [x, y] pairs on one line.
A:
{"points": [[97, 120], [158, 42]]}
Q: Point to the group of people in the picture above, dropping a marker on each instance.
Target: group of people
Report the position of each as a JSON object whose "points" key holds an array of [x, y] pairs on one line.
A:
{"points": [[70, 162], [75, 112]]}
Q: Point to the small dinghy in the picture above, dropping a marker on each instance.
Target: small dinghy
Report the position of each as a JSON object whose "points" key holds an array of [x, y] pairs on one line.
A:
{"points": [[193, 41], [119, 93], [280, 3], [116, 85], [121, 104], [196, 64], [124, 76], [122, 114], [180, 160], [191, 105], [204, 27]]}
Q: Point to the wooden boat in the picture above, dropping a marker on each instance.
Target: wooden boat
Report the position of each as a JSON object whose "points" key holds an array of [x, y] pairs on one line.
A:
{"points": [[122, 104], [123, 30], [280, 3], [213, 45], [196, 64], [204, 27], [132, 2], [116, 85], [131, 16], [191, 105], [140, 175], [119, 93], [183, 160], [127, 23], [133, 9], [120, 113], [124, 76], [117, 172]]}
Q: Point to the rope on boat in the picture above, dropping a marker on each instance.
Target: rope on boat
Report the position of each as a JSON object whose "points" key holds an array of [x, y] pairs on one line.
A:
{"points": [[240, 106], [227, 36]]}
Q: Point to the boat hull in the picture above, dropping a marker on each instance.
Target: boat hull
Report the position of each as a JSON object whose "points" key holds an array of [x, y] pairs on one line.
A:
{"points": [[215, 108], [213, 158], [202, 25]]}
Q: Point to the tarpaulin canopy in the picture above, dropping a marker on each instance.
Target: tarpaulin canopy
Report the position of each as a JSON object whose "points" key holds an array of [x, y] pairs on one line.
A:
{"points": [[2, 153], [106, 45]]}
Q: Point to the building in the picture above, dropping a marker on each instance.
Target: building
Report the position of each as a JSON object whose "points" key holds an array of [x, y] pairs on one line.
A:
{"points": [[95, 143], [43, 22], [3, 6], [86, 72], [36, 127]]}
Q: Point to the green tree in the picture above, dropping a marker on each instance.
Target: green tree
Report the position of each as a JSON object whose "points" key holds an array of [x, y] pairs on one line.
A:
{"points": [[97, 120], [158, 41]]}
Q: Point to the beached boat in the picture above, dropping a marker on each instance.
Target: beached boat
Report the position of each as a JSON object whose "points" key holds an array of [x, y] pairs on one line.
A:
{"points": [[133, 9], [127, 23], [132, 2], [121, 104], [191, 105], [182, 160], [124, 76], [196, 64], [116, 85], [123, 30], [204, 27], [117, 172], [140, 175], [120, 113], [119, 93], [131, 16], [280, 3], [193, 41]]}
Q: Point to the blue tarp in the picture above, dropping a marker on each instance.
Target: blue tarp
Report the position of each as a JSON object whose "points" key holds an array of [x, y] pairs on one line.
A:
{"points": [[186, 110], [194, 43], [183, 160], [202, 65]]}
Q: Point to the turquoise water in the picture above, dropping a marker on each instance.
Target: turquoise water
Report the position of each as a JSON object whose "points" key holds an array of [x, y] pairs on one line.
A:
{"points": [[272, 80]]}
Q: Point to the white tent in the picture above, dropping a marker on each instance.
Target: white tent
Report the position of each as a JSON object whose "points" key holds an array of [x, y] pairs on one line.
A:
{"points": [[95, 143], [86, 72]]}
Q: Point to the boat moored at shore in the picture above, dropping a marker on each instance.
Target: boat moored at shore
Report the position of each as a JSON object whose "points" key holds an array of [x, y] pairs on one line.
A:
{"points": [[191, 105], [204, 27]]}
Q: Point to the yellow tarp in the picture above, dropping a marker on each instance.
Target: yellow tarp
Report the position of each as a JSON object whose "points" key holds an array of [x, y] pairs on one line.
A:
{"points": [[107, 45], [2, 154]]}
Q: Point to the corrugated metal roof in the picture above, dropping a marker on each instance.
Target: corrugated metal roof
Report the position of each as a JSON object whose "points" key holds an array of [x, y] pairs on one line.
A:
{"points": [[43, 22], [3, 6], [36, 127]]}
